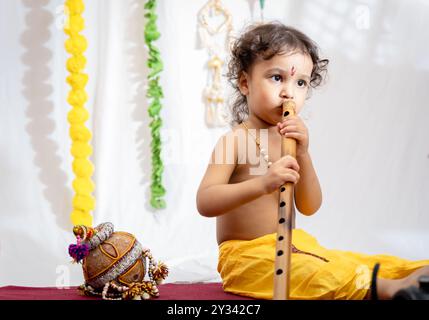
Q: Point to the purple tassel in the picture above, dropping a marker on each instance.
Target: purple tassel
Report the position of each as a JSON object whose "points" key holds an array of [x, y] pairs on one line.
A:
{"points": [[78, 251]]}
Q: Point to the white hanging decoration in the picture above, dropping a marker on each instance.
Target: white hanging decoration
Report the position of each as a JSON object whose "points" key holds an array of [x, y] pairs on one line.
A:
{"points": [[214, 29]]}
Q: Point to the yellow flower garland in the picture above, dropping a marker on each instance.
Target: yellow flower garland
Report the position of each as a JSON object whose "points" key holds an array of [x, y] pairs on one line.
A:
{"points": [[76, 44]]}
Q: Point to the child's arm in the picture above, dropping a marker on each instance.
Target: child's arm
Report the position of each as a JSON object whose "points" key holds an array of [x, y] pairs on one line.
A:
{"points": [[219, 198], [215, 196], [308, 195]]}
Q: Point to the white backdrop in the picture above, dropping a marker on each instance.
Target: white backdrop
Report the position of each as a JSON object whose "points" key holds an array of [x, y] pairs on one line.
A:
{"points": [[368, 131]]}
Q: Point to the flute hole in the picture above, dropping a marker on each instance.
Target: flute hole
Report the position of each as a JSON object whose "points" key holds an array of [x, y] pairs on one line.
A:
{"points": [[280, 253], [286, 113], [282, 220], [279, 271], [282, 189], [281, 238], [282, 204]]}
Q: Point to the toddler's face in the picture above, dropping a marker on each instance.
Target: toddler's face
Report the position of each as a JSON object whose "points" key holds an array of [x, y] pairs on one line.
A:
{"points": [[271, 82]]}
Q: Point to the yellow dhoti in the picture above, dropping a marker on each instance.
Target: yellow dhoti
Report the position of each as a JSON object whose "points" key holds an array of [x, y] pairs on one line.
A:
{"points": [[247, 268]]}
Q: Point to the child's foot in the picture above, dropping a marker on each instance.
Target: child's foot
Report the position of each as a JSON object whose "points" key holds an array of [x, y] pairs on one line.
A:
{"points": [[410, 280], [387, 288]]}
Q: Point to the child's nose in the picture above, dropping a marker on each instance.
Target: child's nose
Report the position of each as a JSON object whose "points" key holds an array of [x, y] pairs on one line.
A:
{"points": [[287, 90], [286, 94]]}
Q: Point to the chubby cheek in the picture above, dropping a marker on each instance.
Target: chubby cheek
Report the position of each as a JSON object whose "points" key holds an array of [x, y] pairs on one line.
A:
{"points": [[263, 98], [269, 96], [268, 102]]}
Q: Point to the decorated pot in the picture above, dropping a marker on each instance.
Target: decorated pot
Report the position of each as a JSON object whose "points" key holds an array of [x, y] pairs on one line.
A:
{"points": [[116, 261]]}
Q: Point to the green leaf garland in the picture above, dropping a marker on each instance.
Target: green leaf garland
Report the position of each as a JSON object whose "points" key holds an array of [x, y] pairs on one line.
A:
{"points": [[154, 93]]}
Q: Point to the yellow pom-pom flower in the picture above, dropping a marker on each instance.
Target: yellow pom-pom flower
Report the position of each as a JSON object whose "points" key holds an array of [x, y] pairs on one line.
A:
{"points": [[77, 115], [78, 132], [83, 186], [76, 44], [83, 168], [84, 203], [76, 64], [74, 24], [77, 80], [75, 6], [77, 98], [81, 149]]}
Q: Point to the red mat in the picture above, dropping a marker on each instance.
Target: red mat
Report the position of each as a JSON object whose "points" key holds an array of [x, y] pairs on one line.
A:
{"points": [[169, 291]]}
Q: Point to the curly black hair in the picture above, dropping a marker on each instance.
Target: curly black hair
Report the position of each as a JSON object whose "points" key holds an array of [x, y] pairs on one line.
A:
{"points": [[265, 41]]}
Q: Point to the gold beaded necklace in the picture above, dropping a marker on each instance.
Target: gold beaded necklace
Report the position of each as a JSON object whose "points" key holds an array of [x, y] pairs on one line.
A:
{"points": [[258, 143]]}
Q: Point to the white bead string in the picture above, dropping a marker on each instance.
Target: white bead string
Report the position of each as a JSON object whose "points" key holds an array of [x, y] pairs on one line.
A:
{"points": [[262, 151]]}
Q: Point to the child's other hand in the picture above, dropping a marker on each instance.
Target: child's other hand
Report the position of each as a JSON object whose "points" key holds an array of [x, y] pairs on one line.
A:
{"points": [[294, 127], [282, 171]]}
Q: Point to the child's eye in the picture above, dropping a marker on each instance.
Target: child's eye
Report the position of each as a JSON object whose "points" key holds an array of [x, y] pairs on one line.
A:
{"points": [[276, 77], [302, 83]]}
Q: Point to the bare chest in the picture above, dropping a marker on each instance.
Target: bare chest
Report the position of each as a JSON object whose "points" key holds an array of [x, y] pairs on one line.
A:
{"points": [[251, 162]]}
